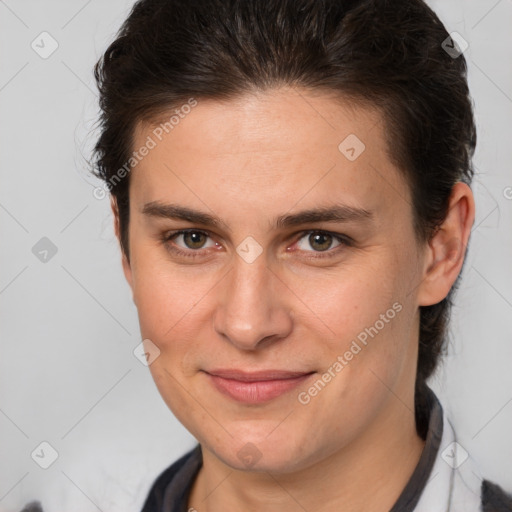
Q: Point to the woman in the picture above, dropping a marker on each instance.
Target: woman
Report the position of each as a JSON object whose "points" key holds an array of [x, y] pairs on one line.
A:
{"points": [[290, 188]]}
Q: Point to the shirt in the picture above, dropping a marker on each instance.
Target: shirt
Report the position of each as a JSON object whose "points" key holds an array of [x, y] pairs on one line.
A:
{"points": [[446, 478]]}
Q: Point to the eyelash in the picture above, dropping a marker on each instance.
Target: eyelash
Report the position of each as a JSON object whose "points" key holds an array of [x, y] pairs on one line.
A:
{"points": [[344, 240]]}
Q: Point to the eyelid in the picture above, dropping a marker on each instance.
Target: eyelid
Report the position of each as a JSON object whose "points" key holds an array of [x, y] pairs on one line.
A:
{"points": [[343, 240], [170, 236]]}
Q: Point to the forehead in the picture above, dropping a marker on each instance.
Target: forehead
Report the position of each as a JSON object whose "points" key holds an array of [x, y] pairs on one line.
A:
{"points": [[268, 151]]}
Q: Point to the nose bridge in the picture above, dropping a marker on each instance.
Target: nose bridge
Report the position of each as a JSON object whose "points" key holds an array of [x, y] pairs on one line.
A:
{"points": [[251, 309]]}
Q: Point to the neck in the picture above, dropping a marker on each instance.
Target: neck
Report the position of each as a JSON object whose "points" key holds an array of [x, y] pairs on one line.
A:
{"points": [[369, 474]]}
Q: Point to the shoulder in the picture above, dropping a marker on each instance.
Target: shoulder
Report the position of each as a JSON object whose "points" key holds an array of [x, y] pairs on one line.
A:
{"points": [[155, 498], [494, 498]]}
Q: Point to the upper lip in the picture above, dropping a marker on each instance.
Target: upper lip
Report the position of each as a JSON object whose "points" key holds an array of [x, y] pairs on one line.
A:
{"points": [[255, 376]]}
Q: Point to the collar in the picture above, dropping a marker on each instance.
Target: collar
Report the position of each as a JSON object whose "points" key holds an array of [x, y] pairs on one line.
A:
{"points": [[454, 483]]}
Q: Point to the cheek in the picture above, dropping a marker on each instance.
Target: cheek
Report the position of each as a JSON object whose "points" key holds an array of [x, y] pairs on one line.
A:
{"points": [[364, 316], [167, 306], [162, 293], [173, 306], [160, 302], [348, 300]]}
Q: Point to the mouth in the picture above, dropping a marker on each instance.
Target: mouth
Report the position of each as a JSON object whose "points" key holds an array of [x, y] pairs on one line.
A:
{"points": [[255, 387]]}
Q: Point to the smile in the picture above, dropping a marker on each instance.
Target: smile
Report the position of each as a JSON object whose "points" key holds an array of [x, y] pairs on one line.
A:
{"points": [[246, 389]]}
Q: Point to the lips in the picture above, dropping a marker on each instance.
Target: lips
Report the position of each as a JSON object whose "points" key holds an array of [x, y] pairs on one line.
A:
{"points": [[260, 375], [257, 386]]}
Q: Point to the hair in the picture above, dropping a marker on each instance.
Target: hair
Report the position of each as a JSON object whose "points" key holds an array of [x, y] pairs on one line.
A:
{"points": [[382, 53]]}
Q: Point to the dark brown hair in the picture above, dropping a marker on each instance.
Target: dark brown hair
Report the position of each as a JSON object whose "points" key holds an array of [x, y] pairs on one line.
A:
{"points": [[388, 54]]}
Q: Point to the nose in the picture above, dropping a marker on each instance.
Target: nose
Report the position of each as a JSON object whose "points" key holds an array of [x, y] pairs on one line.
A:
{"points": [[252, 310]]}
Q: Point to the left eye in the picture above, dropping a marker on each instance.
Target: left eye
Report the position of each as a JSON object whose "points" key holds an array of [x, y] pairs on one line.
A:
{"points": [[321, 239]]}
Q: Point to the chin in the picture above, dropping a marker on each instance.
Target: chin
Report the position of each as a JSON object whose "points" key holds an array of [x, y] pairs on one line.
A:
{"points": [[258, 454]]}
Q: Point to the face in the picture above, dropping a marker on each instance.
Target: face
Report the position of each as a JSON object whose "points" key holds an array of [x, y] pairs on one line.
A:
{"points": [[330, 296]]}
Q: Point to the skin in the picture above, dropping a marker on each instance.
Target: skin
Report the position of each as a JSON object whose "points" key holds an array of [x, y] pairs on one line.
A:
{"points": [[248, 161]]}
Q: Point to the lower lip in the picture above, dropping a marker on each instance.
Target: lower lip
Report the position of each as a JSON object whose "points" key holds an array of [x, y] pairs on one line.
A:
{"points": [[256, 392]]}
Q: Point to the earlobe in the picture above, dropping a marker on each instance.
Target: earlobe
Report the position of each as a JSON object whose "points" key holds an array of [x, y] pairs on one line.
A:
{"points": [[447, 248]]}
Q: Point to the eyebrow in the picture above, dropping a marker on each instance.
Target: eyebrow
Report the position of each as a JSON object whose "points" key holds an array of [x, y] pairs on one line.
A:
{"points": [[334, 213]]}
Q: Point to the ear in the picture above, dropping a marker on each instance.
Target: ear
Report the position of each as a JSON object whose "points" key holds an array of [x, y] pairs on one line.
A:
{"points": [[124, 260], [446, 250]]}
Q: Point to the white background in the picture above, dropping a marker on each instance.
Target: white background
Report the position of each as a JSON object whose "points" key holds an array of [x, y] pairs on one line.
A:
{"points": [[68, 326]]}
